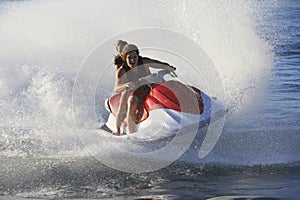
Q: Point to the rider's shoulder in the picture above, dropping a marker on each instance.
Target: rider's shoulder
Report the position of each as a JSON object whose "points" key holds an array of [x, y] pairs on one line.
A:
{"points": [[120, 71], [146, 60], [118, 60]]}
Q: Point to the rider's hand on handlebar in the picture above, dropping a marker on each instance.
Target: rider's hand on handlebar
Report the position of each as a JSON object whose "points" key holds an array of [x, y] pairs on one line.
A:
{"points": [[172, 71], [131, 85], [173, 74]]}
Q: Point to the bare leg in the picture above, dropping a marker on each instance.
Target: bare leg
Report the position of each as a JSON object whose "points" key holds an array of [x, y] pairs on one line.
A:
{"points": [[121, 111], [140, 112], [131, 113]]}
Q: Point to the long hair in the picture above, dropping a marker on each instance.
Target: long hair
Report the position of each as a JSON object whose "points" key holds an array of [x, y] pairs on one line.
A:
{"points": [[119, 47]]}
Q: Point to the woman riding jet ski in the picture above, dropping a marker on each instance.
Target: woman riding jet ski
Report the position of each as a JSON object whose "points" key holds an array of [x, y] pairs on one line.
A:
{"points": [[146, 100]]}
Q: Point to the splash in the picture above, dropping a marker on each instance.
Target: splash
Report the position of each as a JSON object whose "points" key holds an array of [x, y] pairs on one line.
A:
{"points": [[43, 44]]}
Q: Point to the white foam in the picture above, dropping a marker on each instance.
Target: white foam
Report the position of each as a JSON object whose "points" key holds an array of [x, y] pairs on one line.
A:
{"points": [[44, 42]]}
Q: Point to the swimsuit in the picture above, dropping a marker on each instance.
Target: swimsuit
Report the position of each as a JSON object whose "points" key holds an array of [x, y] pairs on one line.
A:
{"points": [[143, 91]]}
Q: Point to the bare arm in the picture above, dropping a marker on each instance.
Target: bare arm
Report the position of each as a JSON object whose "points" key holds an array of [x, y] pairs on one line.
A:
{"points": [[159, 65], [122, 83]]}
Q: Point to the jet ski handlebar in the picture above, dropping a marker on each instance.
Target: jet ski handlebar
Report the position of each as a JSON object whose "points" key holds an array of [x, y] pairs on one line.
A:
{"points": [[157, 77]]}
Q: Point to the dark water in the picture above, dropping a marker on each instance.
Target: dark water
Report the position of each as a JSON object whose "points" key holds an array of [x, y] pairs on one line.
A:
{"points": [[268, 169], [87, 178]]}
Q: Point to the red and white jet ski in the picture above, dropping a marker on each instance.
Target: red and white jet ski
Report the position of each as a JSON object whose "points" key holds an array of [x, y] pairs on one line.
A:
{"points": [[169, 107]]}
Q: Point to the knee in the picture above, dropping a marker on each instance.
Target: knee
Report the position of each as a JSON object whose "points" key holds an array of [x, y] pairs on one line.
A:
{"points": [[132, 104], [124, 95], [132, 100], [125, 92]]}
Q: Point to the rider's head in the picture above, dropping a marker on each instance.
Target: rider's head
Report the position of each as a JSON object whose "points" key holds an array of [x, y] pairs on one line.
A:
{"points": [[120, 46], [130, 54]]}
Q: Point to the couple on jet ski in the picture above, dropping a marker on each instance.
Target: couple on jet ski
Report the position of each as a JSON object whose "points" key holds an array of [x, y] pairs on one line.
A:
{"points": [[130, 68]]}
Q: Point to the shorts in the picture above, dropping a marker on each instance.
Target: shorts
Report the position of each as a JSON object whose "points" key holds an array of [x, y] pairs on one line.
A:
{"points": [[142, 93]]}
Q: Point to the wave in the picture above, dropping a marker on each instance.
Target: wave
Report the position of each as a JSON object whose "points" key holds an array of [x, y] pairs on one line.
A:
{"points": [[45, 43]]}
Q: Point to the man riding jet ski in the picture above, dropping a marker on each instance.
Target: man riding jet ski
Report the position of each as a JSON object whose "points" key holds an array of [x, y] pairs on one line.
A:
{"points": [[146, 100]]}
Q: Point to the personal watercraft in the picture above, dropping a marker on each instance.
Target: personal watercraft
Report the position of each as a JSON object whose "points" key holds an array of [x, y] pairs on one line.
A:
{"points": [[169, 107]]}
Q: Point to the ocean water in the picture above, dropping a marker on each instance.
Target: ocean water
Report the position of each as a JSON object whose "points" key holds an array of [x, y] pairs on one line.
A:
{"points": [[51, 108]]}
